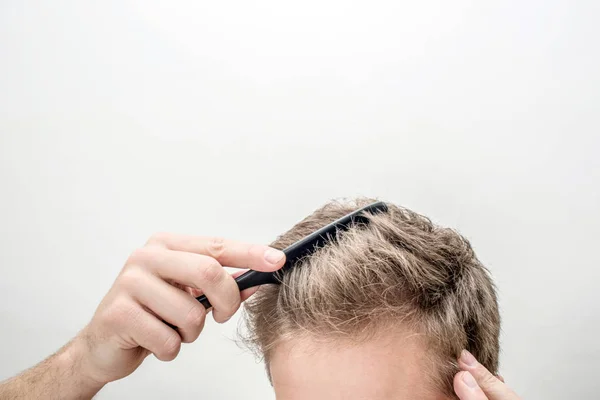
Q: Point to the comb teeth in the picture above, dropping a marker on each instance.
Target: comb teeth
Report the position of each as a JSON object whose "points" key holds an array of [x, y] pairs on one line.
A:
{"points": [[304, 247], [308, 244]]}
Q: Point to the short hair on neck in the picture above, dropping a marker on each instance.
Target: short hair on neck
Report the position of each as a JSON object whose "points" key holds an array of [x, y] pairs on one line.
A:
{"points": [[400, 268]]}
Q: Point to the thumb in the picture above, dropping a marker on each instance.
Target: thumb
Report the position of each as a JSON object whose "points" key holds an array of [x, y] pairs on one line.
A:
{"points": [[491, 386], [466, 387]]}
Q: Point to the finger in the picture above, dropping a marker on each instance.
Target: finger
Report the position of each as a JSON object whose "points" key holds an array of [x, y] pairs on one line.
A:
{"points": [[500, 378], [492, 386], [227, 252], [194, 270], [466, 387], [193, 291], [150, 333], [171, 305], [245, 294]]}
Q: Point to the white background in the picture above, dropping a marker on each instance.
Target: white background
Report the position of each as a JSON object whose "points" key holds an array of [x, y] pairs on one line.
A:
{"points": [[122, 118]]}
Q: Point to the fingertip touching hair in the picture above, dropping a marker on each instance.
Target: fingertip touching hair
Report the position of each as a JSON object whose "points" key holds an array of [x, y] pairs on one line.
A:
{"points": [[398, 268]]}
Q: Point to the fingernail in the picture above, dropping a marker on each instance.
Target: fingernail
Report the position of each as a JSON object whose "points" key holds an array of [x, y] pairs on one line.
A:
{"points": [[467, 358], [273, 256], [469, 380]]}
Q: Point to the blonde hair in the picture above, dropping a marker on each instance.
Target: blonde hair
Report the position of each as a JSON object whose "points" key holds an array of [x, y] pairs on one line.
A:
{"points": [[398, 268]]}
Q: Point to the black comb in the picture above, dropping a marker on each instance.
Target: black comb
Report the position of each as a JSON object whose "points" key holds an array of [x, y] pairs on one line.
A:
{"points": [[304, 247]]}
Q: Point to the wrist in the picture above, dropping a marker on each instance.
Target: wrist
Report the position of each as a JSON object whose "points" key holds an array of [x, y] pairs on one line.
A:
{"points": [[73, 358]]}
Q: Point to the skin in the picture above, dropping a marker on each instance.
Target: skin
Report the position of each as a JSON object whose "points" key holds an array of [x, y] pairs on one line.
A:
{"points": [[389, 366], [475, 382], [157, 286]]}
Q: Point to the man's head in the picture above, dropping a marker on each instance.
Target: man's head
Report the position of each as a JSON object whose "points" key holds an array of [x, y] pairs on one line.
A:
{"points": [[381, 312]]}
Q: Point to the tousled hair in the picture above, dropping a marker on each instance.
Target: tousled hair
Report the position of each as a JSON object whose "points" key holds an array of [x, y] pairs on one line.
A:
{"points": [[400, 268]]}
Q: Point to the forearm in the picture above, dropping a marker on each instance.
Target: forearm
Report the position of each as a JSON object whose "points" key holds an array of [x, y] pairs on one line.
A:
{"points": [[57, 377]]}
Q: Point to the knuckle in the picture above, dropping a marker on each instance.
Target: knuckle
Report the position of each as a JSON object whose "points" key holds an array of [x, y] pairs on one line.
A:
{"points": [[226, 314], [170, 347], [234, 303], [141, 255], [229, 304], [195, 316], [212, 273], [158, 238], [486, 379], [223, 315], [255, 251], [216, 247], [119, 313], [130, 278]]}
